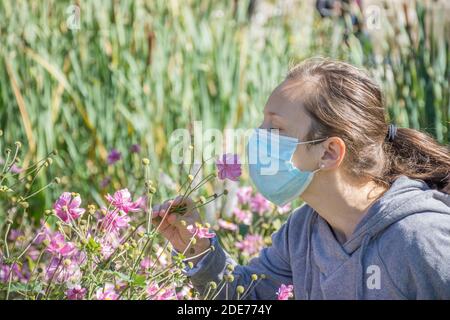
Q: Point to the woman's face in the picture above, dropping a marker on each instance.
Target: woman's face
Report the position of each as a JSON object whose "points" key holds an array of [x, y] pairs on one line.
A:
{"points": [[285, 113]]}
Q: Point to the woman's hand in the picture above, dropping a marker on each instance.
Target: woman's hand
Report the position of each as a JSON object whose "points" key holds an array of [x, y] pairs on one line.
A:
{"points": [[172, 219]]}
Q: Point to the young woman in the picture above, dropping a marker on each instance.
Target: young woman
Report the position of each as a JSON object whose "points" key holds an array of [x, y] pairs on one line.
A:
{"points": [[376, 220]]}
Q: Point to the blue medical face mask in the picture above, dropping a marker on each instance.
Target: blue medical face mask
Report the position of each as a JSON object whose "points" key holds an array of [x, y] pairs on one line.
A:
{"points": [[270, 165]]}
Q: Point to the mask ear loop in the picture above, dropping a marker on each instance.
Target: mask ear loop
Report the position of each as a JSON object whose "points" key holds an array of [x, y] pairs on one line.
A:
{"points": [[318, 169], [311, 141]]}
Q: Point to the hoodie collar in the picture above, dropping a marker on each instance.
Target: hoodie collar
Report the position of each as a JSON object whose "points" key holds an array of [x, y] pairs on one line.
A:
{"points": [[388, 209]]}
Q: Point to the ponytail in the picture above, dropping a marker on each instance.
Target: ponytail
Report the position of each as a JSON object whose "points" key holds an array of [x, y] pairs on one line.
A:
{"points": [[417, 155]]}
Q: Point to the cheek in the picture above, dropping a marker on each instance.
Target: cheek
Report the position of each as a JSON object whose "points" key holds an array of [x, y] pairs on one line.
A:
{"points": [[304, 159]]}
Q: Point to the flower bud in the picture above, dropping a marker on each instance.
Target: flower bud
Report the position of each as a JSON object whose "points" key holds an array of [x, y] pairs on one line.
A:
{"points": [[190, 265], [18, 144], [148, 183], [67, 262], [145, 162], [230, 267], [240, 289], [57, 180], [24, 204], [213, 285], [254, 277], [91, 209]]}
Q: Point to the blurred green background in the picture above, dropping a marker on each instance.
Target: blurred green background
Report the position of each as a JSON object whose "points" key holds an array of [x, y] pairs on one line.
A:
{"points": [[131, 72]]}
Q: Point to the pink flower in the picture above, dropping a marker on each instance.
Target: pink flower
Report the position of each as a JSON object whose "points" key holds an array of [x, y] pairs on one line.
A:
{"points": [[284, 209], [59, 246], [154, 292], [243, 216], [285, 292], [44, 233], [6, 270], [14, 234], [251, 244], [229, 167], [122, 201], [114, 221], [114, 156], [107, 292], [259, 204], [200, 232], [244, 194], [68, 209], [227, 225], [76, 293], [146, 263], [61, 272], [109, 243], [135, 148]]}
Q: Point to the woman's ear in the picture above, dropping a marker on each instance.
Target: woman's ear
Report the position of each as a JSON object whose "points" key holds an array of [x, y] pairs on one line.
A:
{"points": [[333, 153]]}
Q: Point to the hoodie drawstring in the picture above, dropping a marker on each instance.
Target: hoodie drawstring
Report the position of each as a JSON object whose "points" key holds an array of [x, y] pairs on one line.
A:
{"points": [[360, 273]]}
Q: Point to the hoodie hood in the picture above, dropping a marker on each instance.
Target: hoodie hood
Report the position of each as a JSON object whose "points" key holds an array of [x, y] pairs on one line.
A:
{"points": [[404, 198]]}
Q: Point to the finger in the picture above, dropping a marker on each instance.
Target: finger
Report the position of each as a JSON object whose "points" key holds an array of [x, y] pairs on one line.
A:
{"points": [[155, 213], [164, 228], [182, 200], [171, 218], [167, 205]]}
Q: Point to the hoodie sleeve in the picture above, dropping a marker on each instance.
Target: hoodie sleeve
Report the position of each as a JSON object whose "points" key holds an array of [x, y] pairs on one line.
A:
{"points": [[273, 262], [417, 259]]}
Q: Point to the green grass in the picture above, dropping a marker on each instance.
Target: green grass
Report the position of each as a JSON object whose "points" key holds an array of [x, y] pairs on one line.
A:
{"points": [[137, 70]]}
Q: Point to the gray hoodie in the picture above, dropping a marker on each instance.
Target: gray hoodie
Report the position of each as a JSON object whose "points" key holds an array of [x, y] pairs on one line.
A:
{"points": [[399, 250]]}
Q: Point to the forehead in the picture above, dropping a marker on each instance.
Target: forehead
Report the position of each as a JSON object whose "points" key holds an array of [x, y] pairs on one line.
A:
{"points": [[285, 101]]}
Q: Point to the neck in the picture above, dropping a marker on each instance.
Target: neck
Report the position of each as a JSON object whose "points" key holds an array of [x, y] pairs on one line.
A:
{"points": [[345, 203]]}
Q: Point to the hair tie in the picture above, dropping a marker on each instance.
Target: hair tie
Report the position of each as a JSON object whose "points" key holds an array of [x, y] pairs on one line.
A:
{"points": [[392, 132]]}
